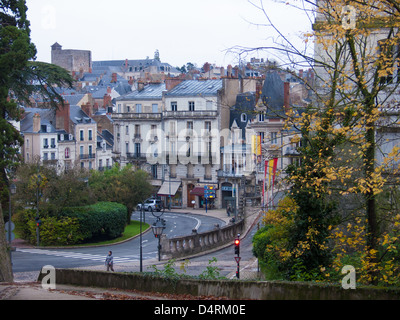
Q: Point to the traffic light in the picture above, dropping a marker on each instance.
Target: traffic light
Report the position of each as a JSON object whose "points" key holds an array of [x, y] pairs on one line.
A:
{"points": [[237, 246], [38, 222]]}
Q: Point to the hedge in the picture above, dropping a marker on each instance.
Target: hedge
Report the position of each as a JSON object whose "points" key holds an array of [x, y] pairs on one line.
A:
{"points": [[55, 231], [103, 219]]}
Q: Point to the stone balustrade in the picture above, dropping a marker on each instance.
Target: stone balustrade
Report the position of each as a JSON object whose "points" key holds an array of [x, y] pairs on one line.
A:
{"points": [[181, 247]]}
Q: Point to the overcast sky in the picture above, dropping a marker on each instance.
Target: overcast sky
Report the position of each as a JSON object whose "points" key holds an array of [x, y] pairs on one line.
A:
{"points": [[196, 31]]}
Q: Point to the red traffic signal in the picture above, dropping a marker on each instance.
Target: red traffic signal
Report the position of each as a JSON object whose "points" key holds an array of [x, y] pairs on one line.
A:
{"points": [[38, 222], [237, 246]]}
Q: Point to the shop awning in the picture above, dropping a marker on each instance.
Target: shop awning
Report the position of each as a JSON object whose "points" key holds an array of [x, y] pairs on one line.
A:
{"points": [[197, 191], [167, 186]]}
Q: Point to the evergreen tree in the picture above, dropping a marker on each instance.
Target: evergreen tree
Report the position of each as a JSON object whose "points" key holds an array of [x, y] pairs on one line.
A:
{"points": [[20, 76]]}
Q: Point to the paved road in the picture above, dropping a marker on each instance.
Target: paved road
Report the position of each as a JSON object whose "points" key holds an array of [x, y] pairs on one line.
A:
{"points": [[226, 260], [177, 224]]}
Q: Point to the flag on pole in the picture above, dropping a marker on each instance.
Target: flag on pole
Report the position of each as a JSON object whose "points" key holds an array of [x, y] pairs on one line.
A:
{"points": [[265, 177], [275, 167]]}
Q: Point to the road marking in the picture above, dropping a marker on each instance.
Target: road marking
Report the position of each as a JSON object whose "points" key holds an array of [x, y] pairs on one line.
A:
{"points": [[81, 256], [198, 222]]}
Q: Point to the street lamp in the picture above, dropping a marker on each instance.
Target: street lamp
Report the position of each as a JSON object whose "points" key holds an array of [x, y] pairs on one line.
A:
{"points": [[158, 228], [142, 214]]}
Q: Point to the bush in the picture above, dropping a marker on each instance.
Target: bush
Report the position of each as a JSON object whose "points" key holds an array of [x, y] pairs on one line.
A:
{"points": [[55, 231], [21, 220], [103, 219]]}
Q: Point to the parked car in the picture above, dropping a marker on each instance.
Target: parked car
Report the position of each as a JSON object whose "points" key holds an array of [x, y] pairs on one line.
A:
{"points": [[151, 205]]}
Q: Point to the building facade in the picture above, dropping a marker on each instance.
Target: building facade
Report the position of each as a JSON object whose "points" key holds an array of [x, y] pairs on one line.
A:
{"points": [[75, 61]]}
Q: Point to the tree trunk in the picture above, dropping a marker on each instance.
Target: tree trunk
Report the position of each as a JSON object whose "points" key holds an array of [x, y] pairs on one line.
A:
{"points": [[370, 197], [6, 274]]}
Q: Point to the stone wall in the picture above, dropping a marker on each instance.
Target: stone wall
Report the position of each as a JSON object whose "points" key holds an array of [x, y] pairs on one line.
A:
{"points": [[199, 242], [233, 289]]}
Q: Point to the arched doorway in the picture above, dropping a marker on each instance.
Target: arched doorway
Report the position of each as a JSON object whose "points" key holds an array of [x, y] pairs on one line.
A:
{"points": [[226, 189], [191, 198]]}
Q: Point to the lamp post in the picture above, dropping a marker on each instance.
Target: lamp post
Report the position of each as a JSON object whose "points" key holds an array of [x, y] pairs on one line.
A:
{"points": [[158, 228], [141, 246]]}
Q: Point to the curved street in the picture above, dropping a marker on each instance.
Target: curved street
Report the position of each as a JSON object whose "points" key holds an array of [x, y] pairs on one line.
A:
{"points": [[177, 224]]}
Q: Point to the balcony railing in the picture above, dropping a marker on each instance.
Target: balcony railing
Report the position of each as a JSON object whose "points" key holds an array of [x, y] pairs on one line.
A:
{"points": [[136, 156], [229, 174], [105, 168], [137, 116], [190, 114], [87, 156]]}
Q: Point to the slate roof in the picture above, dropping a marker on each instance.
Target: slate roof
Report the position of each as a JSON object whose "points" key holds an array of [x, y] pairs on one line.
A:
{"points": [[106, 136], [119, 65], [73, 99], [191, 88], [150, 92], [245, 103], [46, 120], [77, 116], [273, 95]]}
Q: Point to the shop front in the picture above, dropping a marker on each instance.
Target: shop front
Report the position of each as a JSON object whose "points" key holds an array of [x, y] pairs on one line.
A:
{"points": [[171, 194]]}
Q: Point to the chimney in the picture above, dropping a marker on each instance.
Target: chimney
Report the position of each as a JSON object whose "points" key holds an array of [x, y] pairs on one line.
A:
{"points": [[236, 72], [95, 107], [140, 85], [286, 99], [126, 63], [114, 78], [171, 83], [131, 81], [259, 87], [229, 75], [62, 117], [87, 108], [36, 122], [301, 73], [107, 101]]}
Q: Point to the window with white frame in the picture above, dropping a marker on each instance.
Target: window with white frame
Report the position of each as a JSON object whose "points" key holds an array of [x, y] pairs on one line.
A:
{"points": [[274, 137], [191, 106]]}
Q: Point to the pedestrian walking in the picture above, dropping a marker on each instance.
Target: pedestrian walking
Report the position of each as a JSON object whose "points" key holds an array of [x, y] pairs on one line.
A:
{"points": [[110, 261], [229, 210]]}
